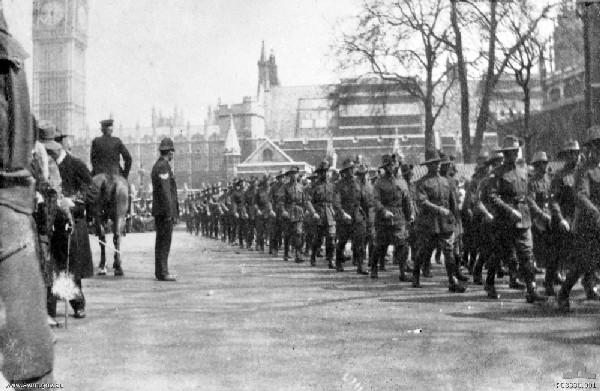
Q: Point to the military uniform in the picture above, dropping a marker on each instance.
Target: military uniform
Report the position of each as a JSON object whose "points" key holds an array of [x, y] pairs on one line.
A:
{"points": [[291, 200], [539, 196], [240, 213], [105, 156], [250, 202], [264, 210], [586, 224], [507, 197], [165, 209], [436, 223], [393, 211], [276, 223], [352, 204], [319, 203]]}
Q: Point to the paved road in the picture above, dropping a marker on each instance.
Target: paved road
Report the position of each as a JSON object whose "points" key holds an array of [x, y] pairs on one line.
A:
{"points": [[238, 320]]}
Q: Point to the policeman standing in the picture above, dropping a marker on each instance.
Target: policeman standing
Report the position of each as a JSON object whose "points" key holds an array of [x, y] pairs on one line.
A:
{"points": [[165, 208]]}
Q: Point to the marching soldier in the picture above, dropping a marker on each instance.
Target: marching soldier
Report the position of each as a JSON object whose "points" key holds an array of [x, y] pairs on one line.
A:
{"points": [[310, 223], [393, 211], [366, 189], [352, 205], [264, 211], [291, 201], [239, 211], [250, 203], [586, 224], [563, 199], [435, 224], [539, 202], [276, 225], [508, 199], [320, 206], [411, 244]]}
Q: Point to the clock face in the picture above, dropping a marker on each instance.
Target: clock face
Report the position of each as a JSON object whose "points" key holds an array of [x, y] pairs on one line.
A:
{"points": [[82, 17], [52, 13]]}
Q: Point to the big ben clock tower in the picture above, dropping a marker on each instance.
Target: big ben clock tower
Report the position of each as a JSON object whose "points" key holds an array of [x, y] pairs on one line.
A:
{"points": [[59, 45]]}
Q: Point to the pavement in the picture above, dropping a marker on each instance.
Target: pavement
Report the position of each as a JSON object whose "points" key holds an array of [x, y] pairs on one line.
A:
{"points": [[242, 320]]}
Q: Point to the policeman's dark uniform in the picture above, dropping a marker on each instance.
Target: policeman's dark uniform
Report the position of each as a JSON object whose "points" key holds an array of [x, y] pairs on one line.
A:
{"points": [[508, 200], [106, 153], [28, 352], [586, 224], [320, 202], [352, 206], [165, 209], [436, 222], [391, 196]]}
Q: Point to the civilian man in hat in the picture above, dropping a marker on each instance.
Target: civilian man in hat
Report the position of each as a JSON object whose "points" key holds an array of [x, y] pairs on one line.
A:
{"points": [[319, 204], [563, 200], [27, 351], [107, 151], [539, 203], [507, 196], [393, 211], [586, 224], [77, 186], [352, 205], [435, 225], [292, 200], [165, 208]]}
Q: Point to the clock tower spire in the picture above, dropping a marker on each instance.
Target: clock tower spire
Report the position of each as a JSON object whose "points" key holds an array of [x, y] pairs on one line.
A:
{"points": [[59, 46]]}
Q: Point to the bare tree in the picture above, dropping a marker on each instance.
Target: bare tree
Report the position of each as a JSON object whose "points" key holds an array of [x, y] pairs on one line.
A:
{"points": [[405, 37], [496, 17]]}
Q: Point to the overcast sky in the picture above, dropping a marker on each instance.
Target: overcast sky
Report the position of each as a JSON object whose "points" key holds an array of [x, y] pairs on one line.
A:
{"points": [[188, 53]]}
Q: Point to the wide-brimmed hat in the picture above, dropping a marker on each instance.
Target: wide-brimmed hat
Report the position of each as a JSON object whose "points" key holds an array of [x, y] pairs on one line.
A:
{"points": [[293, 170], [570, 146], [494, 157], [348, 164], [323, 166], [60, 135], [431, 157], [510, 143], [166, 144], [280, 174], [386, 160], [539, 157], [47, 135], [444, 159]]}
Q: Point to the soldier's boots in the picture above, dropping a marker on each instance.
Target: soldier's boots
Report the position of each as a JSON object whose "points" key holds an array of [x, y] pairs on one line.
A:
{"points": [[360, 270], [374, 273], [382, 265], [330, 264], [514, 283], [455, 286], [338, 265], [532, 295], [298, 258], [427, 270], [491, 292], [416, 283], [403, 277], [313, 260]]}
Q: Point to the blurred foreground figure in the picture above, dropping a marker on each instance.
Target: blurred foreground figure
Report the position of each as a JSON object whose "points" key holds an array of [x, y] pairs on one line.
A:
{"points": [[25, 342]]}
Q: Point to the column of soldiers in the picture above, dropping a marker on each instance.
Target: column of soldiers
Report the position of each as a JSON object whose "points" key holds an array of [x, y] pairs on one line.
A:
{"points": [[510, 218]]}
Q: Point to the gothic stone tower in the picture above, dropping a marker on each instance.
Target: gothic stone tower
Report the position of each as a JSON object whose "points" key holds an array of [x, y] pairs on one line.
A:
{"points": [[59, 45]]}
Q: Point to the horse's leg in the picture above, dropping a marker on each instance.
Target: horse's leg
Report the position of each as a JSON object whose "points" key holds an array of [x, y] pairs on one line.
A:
{"points": [[117, 230], [102, 238]]}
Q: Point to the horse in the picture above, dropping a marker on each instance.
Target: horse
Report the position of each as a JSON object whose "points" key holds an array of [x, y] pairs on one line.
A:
{"points": [[113, 205]]}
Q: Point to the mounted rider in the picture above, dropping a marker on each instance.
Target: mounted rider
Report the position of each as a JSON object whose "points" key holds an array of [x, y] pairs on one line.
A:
{"points": [[106, 154]]}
